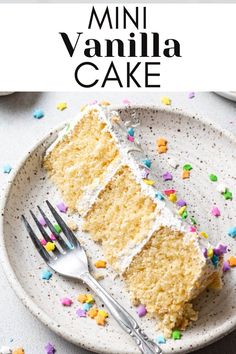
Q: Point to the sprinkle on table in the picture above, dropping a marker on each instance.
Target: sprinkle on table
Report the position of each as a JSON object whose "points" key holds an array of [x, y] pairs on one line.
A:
{"points": [[213, 178], [66, 301], [130, 138], [228, 195], [89, 299], [191, 95], [184, 215], [100, 320], [161, 145], [160, 339], [46, 274], [161, 142], [141, 310], [38, 114], [7, 168], [147, 163], [185, 174], [86, 307], [92, 313], [61, 106], [159, 196], [49, 349], [232, 232], [130, 131], [169, 191], [18, 351], [100, 264], [220, 249], [182, 210], [215, 211], [187, 167], [62, 207], [43, 242], [181, 203], [149, 182], [162, 149], [166, 101], [82, 298], [42, 221], [176, 334], [172, 198], [167, 176], [193, 221], [203, 234]]}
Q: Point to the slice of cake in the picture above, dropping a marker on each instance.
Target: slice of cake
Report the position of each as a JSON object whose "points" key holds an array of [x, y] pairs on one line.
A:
{"points": [[103, 176]]}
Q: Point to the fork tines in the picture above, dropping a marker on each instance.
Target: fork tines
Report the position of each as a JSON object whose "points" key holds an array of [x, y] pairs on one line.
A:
{"points": [[61, 246]]}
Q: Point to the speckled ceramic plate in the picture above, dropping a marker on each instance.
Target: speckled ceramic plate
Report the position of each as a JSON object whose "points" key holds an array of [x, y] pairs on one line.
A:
{"points": [[230, 95], [190, 140]]}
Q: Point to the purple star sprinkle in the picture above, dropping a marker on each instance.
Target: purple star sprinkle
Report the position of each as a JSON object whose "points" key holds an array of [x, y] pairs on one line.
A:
{"points": [[205, 253], [81, 313], [191, 95], [181, 203], [42, 221], [145, 173], [167, 176], [226, 266], [49, 348], [62, 207], [220, 250], [141, 310]]}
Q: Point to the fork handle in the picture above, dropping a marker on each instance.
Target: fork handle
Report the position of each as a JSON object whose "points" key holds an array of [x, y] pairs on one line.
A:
{"points": [[124, 319]]}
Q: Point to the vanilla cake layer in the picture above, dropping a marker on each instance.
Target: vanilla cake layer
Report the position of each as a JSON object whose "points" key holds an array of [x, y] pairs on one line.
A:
{"points": [[166, 275], [121, 213], [81, 159], [143, 238]]}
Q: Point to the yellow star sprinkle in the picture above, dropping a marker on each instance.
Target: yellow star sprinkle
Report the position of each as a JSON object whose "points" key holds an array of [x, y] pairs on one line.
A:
{"points": [[166, 101], [100, 320], [172, 197], [82, 298], [182, 210], [18, 351], [102, 313], [210, 252], [204, 234], [100, 264], [92, 313], [50, 246], [61, 106], [89, 299], [149, 182]]}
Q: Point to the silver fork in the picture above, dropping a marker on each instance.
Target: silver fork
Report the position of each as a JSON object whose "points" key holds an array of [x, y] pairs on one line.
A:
{"points": [[69, 259]]}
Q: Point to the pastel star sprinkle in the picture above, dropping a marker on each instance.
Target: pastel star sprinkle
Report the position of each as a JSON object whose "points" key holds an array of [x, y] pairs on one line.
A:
{"points": [[92, 313], [191, 95], [181, 203], [141, 310], [220, 249], [103, 313], [100, 264], [203, 234], [86, 307], [38, 114], [145, 173], [89, 299], [43, 242], [147, 163], [126, 101], [18, 351], [57, 228], [160, 340], [66, 301], [166, 101], [42, 221], [162, 149], [50, 246], [159, 196], [172, 198], [226, 266], [185, 174], [49, 349], [215, 211], [232, 261], [82, 298], [5, 350], [184, 215], [81, 313], [176, 334], [62, 207], [193, 221], [100, 320], [130, 138], [130, 131], [228, 195], [7, 168], [213, 178], [182, 210], [192, 229], [169, 191], [53, 237], [149, 182], [187, 167], [61, 106], [232, 232], [46, 274], [167, 176]]}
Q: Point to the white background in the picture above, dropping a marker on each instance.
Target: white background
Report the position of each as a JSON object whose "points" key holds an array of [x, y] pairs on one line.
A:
{"points": [[34, 57], [19, 131]]}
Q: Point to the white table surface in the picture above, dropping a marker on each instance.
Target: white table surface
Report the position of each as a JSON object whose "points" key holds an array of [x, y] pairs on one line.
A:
{"points": [[18, 132]]}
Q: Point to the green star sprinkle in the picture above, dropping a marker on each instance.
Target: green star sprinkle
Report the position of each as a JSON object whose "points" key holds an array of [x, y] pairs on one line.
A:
{"points": [[57, 228], [213, 178], [193, 221], [187, 167], [228, 195], [184, 215], [176, 334]]}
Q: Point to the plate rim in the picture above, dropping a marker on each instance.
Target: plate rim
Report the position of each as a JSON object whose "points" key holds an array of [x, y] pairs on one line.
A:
{"points": [[15, 284]]}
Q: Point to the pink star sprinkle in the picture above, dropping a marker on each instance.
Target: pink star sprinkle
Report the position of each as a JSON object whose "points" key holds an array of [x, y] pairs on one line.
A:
{"points": [[62, 207], [130, 138], [53, 237], [43, 242], [141, 310], [192, 229], [126, 101], [65, 301], [215, 211]]}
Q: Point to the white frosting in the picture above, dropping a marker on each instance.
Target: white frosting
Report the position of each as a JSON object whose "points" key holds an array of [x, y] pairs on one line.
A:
{"points": [[132, 155]]}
